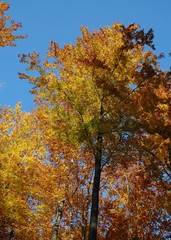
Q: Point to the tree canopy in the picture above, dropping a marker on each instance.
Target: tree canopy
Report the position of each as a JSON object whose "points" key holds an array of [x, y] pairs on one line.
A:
{"points": [[93, 159]]}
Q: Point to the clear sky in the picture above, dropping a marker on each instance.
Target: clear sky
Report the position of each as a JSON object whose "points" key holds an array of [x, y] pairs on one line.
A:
{"points": [[60, 20]]}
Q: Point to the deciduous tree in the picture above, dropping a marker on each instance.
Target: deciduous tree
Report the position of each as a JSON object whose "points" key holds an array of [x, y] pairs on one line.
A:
{"points": [[103, 95]]}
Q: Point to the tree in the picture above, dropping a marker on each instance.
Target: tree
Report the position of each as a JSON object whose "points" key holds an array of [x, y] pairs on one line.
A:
{"points": [[135, 205], [95, 93], [37, 187], [26, 181], [6, 29]]}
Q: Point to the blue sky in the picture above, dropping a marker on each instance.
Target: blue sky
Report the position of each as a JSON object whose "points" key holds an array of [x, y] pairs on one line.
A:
{"points": [[60, 20]]}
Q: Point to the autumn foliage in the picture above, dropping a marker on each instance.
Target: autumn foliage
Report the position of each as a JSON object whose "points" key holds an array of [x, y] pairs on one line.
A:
{"points": [[93, 159], [7, 28]]}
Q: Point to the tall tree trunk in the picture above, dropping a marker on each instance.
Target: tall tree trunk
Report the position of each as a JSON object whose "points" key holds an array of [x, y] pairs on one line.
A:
{"points": [[95, 193], [85, 221], [60, 209]]}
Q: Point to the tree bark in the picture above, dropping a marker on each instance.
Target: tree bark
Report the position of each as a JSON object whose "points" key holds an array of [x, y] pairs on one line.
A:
{"points": [[60, 209], [95, 193]]}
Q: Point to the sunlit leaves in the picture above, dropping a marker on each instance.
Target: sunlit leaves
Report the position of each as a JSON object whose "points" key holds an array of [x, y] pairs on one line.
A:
{"points": [[103, 100], [25, 179], [7, 28]]}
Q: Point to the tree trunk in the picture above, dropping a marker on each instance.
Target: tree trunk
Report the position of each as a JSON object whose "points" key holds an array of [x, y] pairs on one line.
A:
{"points": [[85, 220], [95, 193], [60, 209]]}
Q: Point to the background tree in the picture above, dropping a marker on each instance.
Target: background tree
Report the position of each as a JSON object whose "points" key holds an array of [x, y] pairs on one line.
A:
{"points": [[7, 29], [27, 180], [42, 181]]}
